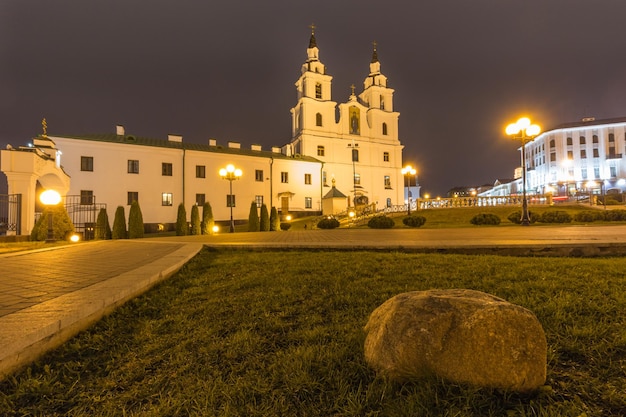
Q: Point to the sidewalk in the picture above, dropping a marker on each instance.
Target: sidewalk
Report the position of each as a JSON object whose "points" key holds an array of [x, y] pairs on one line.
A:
{"points": [[48, 296]]}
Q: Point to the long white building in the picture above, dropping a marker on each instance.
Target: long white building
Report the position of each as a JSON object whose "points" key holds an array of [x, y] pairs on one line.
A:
{"points": [[578, 158], [350, 149]]}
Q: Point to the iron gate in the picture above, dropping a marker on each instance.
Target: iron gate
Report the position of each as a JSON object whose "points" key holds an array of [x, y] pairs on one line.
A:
{"points": [[10, 214]]}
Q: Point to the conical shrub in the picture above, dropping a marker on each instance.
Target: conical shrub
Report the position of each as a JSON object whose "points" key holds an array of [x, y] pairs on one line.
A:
{"points": [[135, 221], [119, 224]]}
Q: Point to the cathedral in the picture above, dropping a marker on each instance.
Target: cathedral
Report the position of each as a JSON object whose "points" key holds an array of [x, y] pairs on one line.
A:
{"points": [[341, 157]]}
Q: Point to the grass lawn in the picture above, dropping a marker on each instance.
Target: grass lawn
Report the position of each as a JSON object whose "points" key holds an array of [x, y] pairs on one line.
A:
{"points": [[280, 333]]}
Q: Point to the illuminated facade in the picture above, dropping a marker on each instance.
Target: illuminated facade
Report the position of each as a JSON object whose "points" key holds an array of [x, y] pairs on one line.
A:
{"points": [[359, 151]]}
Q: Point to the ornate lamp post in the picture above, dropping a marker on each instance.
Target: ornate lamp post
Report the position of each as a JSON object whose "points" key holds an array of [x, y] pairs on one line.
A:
{"points": [[408, 171], [525, 131], [50, 198], [231, 173]]}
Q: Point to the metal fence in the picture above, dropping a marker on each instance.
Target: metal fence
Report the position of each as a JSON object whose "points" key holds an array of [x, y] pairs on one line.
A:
{"points": [[10, 214], [83, 212]]}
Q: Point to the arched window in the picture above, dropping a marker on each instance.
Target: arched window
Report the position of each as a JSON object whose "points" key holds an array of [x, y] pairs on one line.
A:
{"points": [[389, 202], [318, 90], [382, 102], [569, 141], [582, 140], [384, 128], [595, 138], [318, 119], [552, 144]]}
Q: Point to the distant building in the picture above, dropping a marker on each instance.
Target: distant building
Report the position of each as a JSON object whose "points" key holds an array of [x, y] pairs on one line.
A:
{"points": [[353, 146], [573, 159]]}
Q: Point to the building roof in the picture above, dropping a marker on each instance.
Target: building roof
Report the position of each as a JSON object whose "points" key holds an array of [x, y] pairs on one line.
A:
{"points": [[590, 121], [334, 193], [162, 143]]}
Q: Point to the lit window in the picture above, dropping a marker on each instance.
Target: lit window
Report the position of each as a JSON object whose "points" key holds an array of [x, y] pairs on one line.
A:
{"points": [[86, 163], [357, 179], [387, 182], [258, 199], [166, 199], [133, 166]]}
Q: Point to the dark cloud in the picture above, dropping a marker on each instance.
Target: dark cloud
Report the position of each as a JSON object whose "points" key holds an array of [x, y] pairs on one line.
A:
{"points": [[226, 70]]}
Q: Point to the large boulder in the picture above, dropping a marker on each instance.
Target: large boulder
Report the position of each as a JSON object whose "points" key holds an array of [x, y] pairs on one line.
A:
{"points": [[462, 336]]}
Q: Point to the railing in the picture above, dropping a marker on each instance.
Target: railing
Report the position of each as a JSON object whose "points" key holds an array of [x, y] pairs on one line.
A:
{"points": [[10, 214], [454, 202]]}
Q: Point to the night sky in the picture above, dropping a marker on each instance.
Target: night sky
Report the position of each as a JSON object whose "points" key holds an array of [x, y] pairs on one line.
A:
{"points": [[461, 70]]}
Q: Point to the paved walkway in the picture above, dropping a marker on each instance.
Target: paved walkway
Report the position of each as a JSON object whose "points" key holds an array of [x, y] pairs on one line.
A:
{"points": [[47, 296]]}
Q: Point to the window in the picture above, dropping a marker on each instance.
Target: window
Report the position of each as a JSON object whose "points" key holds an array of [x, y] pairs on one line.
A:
{"points": [[386, 156], [318, 90], [552, 144], [308, 202], [583, 173], [320, 151], [613, 171], [595, 138], [384, 128], [355, 155], [357, 179], [166, 199], [200, 199], [324, 178], [389, 202], [552, 156], [133, 166], [86, 197], [569, 141], [86, 163], [200, 171], [166, 169], [307, 179], [596, 172], [230, 200], [583, 154], [132, 196], [387, 182], [582, 140], [570, 155], [596, 153], [258, 175], [318, 119], [611, 137], [284, 177], [382, 106], [258, 199]]}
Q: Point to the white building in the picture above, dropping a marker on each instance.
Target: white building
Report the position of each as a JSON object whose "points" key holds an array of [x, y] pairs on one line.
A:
{"points": [[573, 159], [359, 149]]}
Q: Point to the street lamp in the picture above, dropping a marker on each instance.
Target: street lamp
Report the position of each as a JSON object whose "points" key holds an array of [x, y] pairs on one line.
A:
{"points": [[408, 171], [230, 173], [525, 131], [50, 198]]}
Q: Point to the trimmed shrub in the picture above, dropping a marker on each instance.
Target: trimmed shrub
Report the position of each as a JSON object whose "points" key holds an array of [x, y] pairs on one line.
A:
{"points": [[327, 223], [265, 219], [195, 220], [483, 219], [207, 219], [516, 217], [556, 216], [182, 228], [589, 216], [285, 226], [615, 215], [119, 224], [103, 229], [414, 221], [274, 220], [135, 221], [62, 225], [253, 218], [381, 222]]}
